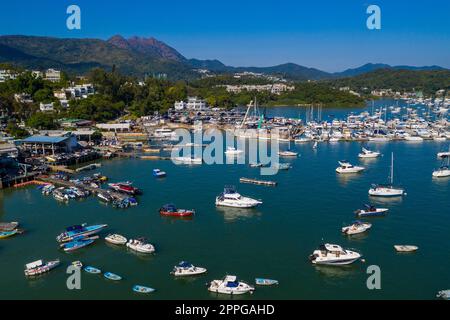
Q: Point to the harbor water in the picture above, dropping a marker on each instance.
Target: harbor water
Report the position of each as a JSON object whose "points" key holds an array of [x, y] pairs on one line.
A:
{"points": [[308, 207]]}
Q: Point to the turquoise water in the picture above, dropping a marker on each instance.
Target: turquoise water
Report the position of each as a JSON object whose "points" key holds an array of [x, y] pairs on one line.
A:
{"points": [[309, 206]]}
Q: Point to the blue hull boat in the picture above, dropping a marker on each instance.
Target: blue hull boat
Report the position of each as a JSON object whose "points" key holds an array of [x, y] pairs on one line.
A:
{"points": [[112, 276], [76, 244], [142, 289], [92, 270], [76, 231], [265, 282]]}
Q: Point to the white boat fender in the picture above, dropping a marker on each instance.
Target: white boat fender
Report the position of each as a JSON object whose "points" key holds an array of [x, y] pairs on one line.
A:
{"points": [[363, 260]]}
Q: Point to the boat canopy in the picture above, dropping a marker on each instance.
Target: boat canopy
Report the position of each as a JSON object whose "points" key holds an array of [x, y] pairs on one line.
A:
{"points": [[75, 228], [34, 264], [184, 264], [229, 189], [169, 207]]}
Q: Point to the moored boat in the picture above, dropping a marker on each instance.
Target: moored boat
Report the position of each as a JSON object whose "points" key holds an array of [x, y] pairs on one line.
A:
{"points": [[140, 245], [265, 282], [405, 248], [112, 276], [38, 267], [371, 211], [443, 294], [333, 254], [230, 198], [7, 234], [158, 173], [170, 210], [8, 226], [387, 190], [367, 154], [230, 285], [287, 154], [116, 239], [187, 269], [347, 167], [76, 231], [77, 244], [356, 228], [142, 289], [93, 270]]}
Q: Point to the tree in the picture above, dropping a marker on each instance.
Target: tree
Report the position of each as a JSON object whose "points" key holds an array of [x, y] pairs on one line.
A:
{"points": [[42, 121]]}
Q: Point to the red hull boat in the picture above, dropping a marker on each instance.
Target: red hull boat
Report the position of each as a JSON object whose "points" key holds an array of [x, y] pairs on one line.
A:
{"points": [[169, 210]]}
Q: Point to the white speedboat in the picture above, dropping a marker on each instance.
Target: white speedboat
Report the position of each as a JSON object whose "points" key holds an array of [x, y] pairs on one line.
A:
{"points": [[231, 151], [371, 211], [140, 245], [356, 227], [366, 153], [387, 190], [187, 269], [230, 285], [405, 248], [287, 154], [187, 160], [443, 294], [347, 167], [333, 254], [116, 239], [230, 198]]}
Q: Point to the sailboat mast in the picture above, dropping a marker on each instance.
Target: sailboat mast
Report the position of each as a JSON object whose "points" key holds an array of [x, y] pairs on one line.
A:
{"points": [[392, 169]]}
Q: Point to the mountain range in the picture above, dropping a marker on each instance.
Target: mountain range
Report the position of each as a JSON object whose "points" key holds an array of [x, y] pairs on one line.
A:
{"points": [[139, 56]]}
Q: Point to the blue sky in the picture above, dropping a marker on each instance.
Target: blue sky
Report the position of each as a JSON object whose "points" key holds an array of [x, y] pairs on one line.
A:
{"points": [[330, 34]]}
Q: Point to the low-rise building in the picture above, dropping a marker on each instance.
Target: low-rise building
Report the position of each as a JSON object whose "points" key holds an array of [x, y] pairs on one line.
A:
{"points": [[23, 97], [121, 127], [53, 75], [7, 75], [50, 142], [45, 107]]}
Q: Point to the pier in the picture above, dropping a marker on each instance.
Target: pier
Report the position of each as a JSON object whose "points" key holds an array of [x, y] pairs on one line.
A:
{"points": [[258, 182]]}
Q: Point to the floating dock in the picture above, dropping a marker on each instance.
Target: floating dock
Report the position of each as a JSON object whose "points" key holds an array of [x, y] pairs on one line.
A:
{"points": [[258, 182]]}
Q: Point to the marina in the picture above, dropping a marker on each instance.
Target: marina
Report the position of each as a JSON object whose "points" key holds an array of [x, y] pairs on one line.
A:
{"points": [[298, 215]]}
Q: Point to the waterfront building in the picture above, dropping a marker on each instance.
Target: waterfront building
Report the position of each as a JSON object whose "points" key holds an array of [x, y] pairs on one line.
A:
{"points": [[195, 103], [121, 127], [53, 142]]}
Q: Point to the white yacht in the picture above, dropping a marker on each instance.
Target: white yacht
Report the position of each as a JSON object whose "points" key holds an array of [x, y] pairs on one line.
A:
{"points": [[333, 254], [356, 227], [347, 167], [164, 133], [187, 269], [443, 171], [230, 285], [187, 160], [140, 245], [366, 153], [230, 198], [287, 154], [387, 190]]}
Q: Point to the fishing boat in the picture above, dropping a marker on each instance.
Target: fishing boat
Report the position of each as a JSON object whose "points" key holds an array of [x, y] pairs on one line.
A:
{"points": [[387, 190], [38, 267], [287, 154], [371, 211], [105, 196], [230, 285], [112, 276], [76, 231], [77, 244], [158, 173], [187, 269], [443, 294], [124, 187], [7, 234], [356, 228], [187, 160], [116, 239], [92, 270], [140, 245], [142, 289], [405, 248], [230, 198], [347, 167], [265, 282], [8, 226], [368, 154], [333, 254], [170, 210]]}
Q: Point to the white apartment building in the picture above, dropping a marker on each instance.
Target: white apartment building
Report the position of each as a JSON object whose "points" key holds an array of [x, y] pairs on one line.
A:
{"points": [[193, 103], [276, 88], [7, 75], [46, 107], [53, 75]]}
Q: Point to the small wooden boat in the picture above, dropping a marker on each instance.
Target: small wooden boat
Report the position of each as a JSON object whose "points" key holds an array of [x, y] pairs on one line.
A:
{"points": [[405, 248], [142, 289], [112, 276], [265, 282], [38, 267], [7, 234], [116, 239], [92, 270], [170, 210], [8, 226]]}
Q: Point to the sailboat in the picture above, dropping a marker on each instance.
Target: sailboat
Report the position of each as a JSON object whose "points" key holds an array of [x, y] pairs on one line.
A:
{"points": [[387, 190], [443, 171]]}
